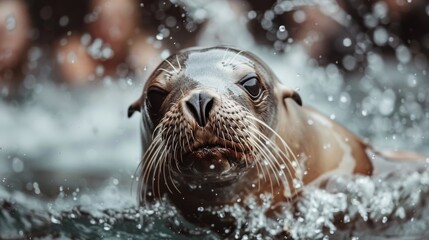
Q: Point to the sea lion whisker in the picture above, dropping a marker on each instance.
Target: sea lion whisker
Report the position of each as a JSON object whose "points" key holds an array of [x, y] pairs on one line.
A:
{"points": [[146, 157], [232, 59], [224, 54], [178, 62], [277, 135], [149, 159], [268, 156], [166, 71], [163, 167], [174, 68], [277, 151], [257, 162], [157, 173], [171, 178], [240, 143], [280, 138]]}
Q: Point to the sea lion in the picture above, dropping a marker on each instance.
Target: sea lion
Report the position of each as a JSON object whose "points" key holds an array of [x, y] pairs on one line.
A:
{"points": [[218, 125]]}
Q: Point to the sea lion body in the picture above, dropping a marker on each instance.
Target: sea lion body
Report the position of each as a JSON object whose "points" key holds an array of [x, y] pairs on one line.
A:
{"points": [[218, 126]]}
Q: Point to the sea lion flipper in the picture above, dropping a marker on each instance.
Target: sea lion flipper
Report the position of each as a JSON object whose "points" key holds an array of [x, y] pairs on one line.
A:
{"points": [[135, 106]]}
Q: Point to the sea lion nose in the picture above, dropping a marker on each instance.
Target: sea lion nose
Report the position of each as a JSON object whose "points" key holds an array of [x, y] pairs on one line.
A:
{"points": [[200, 105]]}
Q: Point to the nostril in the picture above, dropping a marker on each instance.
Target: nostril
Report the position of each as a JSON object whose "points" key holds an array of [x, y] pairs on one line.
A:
{"points": [[206, 106], [200, 105], [194, 110]]}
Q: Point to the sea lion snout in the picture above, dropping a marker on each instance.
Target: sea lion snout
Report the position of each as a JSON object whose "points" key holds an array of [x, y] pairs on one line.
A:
{"points": [[197, 107], [200, 104]]}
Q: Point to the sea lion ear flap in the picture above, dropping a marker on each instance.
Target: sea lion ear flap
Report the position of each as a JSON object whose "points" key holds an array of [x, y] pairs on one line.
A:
{"points": [[289, 93], [135, 106]]}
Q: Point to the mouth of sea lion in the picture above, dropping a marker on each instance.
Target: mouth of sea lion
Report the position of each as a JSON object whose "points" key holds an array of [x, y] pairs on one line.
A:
{"points": [[218, 165]]}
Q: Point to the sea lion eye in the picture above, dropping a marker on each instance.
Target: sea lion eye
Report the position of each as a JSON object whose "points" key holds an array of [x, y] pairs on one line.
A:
{"points": [[252, 85], [155, 97]]}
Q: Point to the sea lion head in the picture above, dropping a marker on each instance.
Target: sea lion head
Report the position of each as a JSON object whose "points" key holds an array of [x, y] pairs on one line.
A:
{"points": [[208, 116]]}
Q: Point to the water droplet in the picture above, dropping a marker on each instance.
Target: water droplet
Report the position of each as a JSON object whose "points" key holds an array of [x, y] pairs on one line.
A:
{"points": [[10, 23], [347, 42], [282, 28], [17, 165], [115, 181], [159, 36], [380, 36], [107, 53], [212, 166], [403, 54], [107, 227], [299, 16], [64, 21], [200, 209], [71, 57], [54, 220], [252, 14]]}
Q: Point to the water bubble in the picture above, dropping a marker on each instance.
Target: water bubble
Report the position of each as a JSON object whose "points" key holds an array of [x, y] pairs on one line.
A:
{"points": [[165, 53], [212, 166], [380, 9], [36, 188], [403, 54], [10, 23], [64, 20], [282, 34], [380, 36], [343, 99], [17, 165], [370, 21], [115, 181], [99, 70], [347, 42], [159, 36], [107, 226], [349, 62], [54, 220], [200, 209], [251, 14], [170, 21], [107, 53], [387, 103], [297, 183], [71, 57], [299, 16]]}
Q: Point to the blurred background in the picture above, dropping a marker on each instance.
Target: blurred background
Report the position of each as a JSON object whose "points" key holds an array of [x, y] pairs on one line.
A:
{"points": [[69, 70]]}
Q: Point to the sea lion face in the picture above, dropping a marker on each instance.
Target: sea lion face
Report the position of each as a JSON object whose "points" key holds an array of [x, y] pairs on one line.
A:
{"points": [[209, 112]]}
